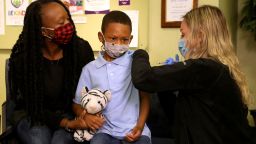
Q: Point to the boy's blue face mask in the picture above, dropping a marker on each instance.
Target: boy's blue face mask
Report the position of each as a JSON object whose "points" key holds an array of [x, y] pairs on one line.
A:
{"points": [[182, 47]]}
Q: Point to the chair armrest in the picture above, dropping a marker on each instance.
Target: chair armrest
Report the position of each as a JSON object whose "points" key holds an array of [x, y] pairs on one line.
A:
{"points": [[4, 116], [7, 131], [6, 134]]}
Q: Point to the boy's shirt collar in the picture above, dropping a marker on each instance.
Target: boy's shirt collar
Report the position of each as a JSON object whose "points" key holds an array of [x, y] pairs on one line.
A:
{"points": [[124, 60]]}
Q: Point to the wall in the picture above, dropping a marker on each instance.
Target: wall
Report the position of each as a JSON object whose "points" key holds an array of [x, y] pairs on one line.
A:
{"points": [[244, 44], [90, 29], [246, 51], [229, 8]]}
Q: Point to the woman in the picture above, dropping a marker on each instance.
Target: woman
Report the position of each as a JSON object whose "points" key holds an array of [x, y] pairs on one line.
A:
{"points": [[212, 92], [45, 66]]}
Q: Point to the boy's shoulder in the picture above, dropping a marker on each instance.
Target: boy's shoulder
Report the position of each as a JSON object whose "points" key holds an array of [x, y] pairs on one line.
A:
{"points": [[126, 57], [98, 61], [90, 64], [130, 52]]}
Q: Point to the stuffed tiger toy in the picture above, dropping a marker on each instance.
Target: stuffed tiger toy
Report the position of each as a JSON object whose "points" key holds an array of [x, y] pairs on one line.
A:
{"points": [[93, 101]]}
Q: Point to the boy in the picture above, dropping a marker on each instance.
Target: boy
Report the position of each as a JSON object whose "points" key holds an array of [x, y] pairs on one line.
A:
{"points": [[127, 111]]}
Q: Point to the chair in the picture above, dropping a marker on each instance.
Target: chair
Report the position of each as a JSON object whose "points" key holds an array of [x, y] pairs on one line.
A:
{"points": [[8, 135]]}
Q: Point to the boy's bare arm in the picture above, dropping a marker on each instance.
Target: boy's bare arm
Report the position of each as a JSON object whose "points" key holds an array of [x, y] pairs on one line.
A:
{"points": [[144, 111]]}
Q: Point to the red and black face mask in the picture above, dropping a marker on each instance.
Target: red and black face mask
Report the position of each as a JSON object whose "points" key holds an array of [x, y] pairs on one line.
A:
{"points": [[62, 34]]}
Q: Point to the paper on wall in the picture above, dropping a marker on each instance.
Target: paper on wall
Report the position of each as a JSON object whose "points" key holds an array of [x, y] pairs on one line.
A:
{"points": [[2, 27], [134, 16], [97, 6], [15, 11]]}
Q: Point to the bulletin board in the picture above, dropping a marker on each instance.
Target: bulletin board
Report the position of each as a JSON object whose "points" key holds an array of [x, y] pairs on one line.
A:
{"points": [[89, 30]]}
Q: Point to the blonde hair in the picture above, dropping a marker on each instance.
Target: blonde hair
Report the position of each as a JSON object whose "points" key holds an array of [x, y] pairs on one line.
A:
{"points": [[209, 38]]}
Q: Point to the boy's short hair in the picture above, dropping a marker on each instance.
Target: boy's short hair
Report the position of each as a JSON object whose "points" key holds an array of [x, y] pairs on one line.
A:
{"points": [[116, 17]]}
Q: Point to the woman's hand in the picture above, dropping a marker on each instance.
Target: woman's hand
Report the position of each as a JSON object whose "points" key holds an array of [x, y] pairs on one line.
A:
{"points": [[87, 121], [77, 124], [73, 124]]}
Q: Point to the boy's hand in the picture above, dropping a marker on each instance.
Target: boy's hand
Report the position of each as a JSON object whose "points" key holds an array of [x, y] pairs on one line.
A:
{"points": [[134, 134], [93, 122]]}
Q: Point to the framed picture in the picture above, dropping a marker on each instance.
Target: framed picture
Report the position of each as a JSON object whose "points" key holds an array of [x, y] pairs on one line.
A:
{"points": [[172, 11]]}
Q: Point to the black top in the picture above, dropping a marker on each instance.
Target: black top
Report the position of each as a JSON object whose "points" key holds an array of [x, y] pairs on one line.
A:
{"points": [[53, 84], [56, 102], [209, 108]]}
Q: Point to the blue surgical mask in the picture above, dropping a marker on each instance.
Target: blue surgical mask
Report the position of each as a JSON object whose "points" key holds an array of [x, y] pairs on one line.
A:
{"points": [[182, 47]]}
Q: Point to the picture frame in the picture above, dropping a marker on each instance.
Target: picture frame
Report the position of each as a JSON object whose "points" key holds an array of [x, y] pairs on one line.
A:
{"points": [[172, 11]]}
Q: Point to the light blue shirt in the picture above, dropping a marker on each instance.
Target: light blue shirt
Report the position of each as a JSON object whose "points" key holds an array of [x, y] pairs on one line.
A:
{"points": [[122, 112]]}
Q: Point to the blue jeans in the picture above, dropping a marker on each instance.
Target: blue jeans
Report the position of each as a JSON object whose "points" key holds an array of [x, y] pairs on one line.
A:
{"points": [[42, 134], [103, 138]]}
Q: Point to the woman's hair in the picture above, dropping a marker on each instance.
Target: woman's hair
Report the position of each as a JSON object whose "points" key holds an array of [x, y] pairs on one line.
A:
{"points": [[209, 37], [116, 17], [29, 45]]}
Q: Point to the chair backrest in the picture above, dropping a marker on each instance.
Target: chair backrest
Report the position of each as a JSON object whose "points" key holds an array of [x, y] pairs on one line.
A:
{"points": [[8, 135], [7, 78], [8, 105], [4, 112]]}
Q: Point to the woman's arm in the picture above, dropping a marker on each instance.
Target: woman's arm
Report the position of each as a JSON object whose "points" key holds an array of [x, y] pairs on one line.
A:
{"points": [[73, 124], [158, 78], [192, 74]]}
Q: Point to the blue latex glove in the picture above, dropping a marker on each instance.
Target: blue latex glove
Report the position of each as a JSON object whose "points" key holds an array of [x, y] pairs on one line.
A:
{"points": [[171, 60]]}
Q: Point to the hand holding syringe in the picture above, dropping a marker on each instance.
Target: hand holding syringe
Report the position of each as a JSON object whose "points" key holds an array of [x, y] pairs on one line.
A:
{"points": [[171, 60]]}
